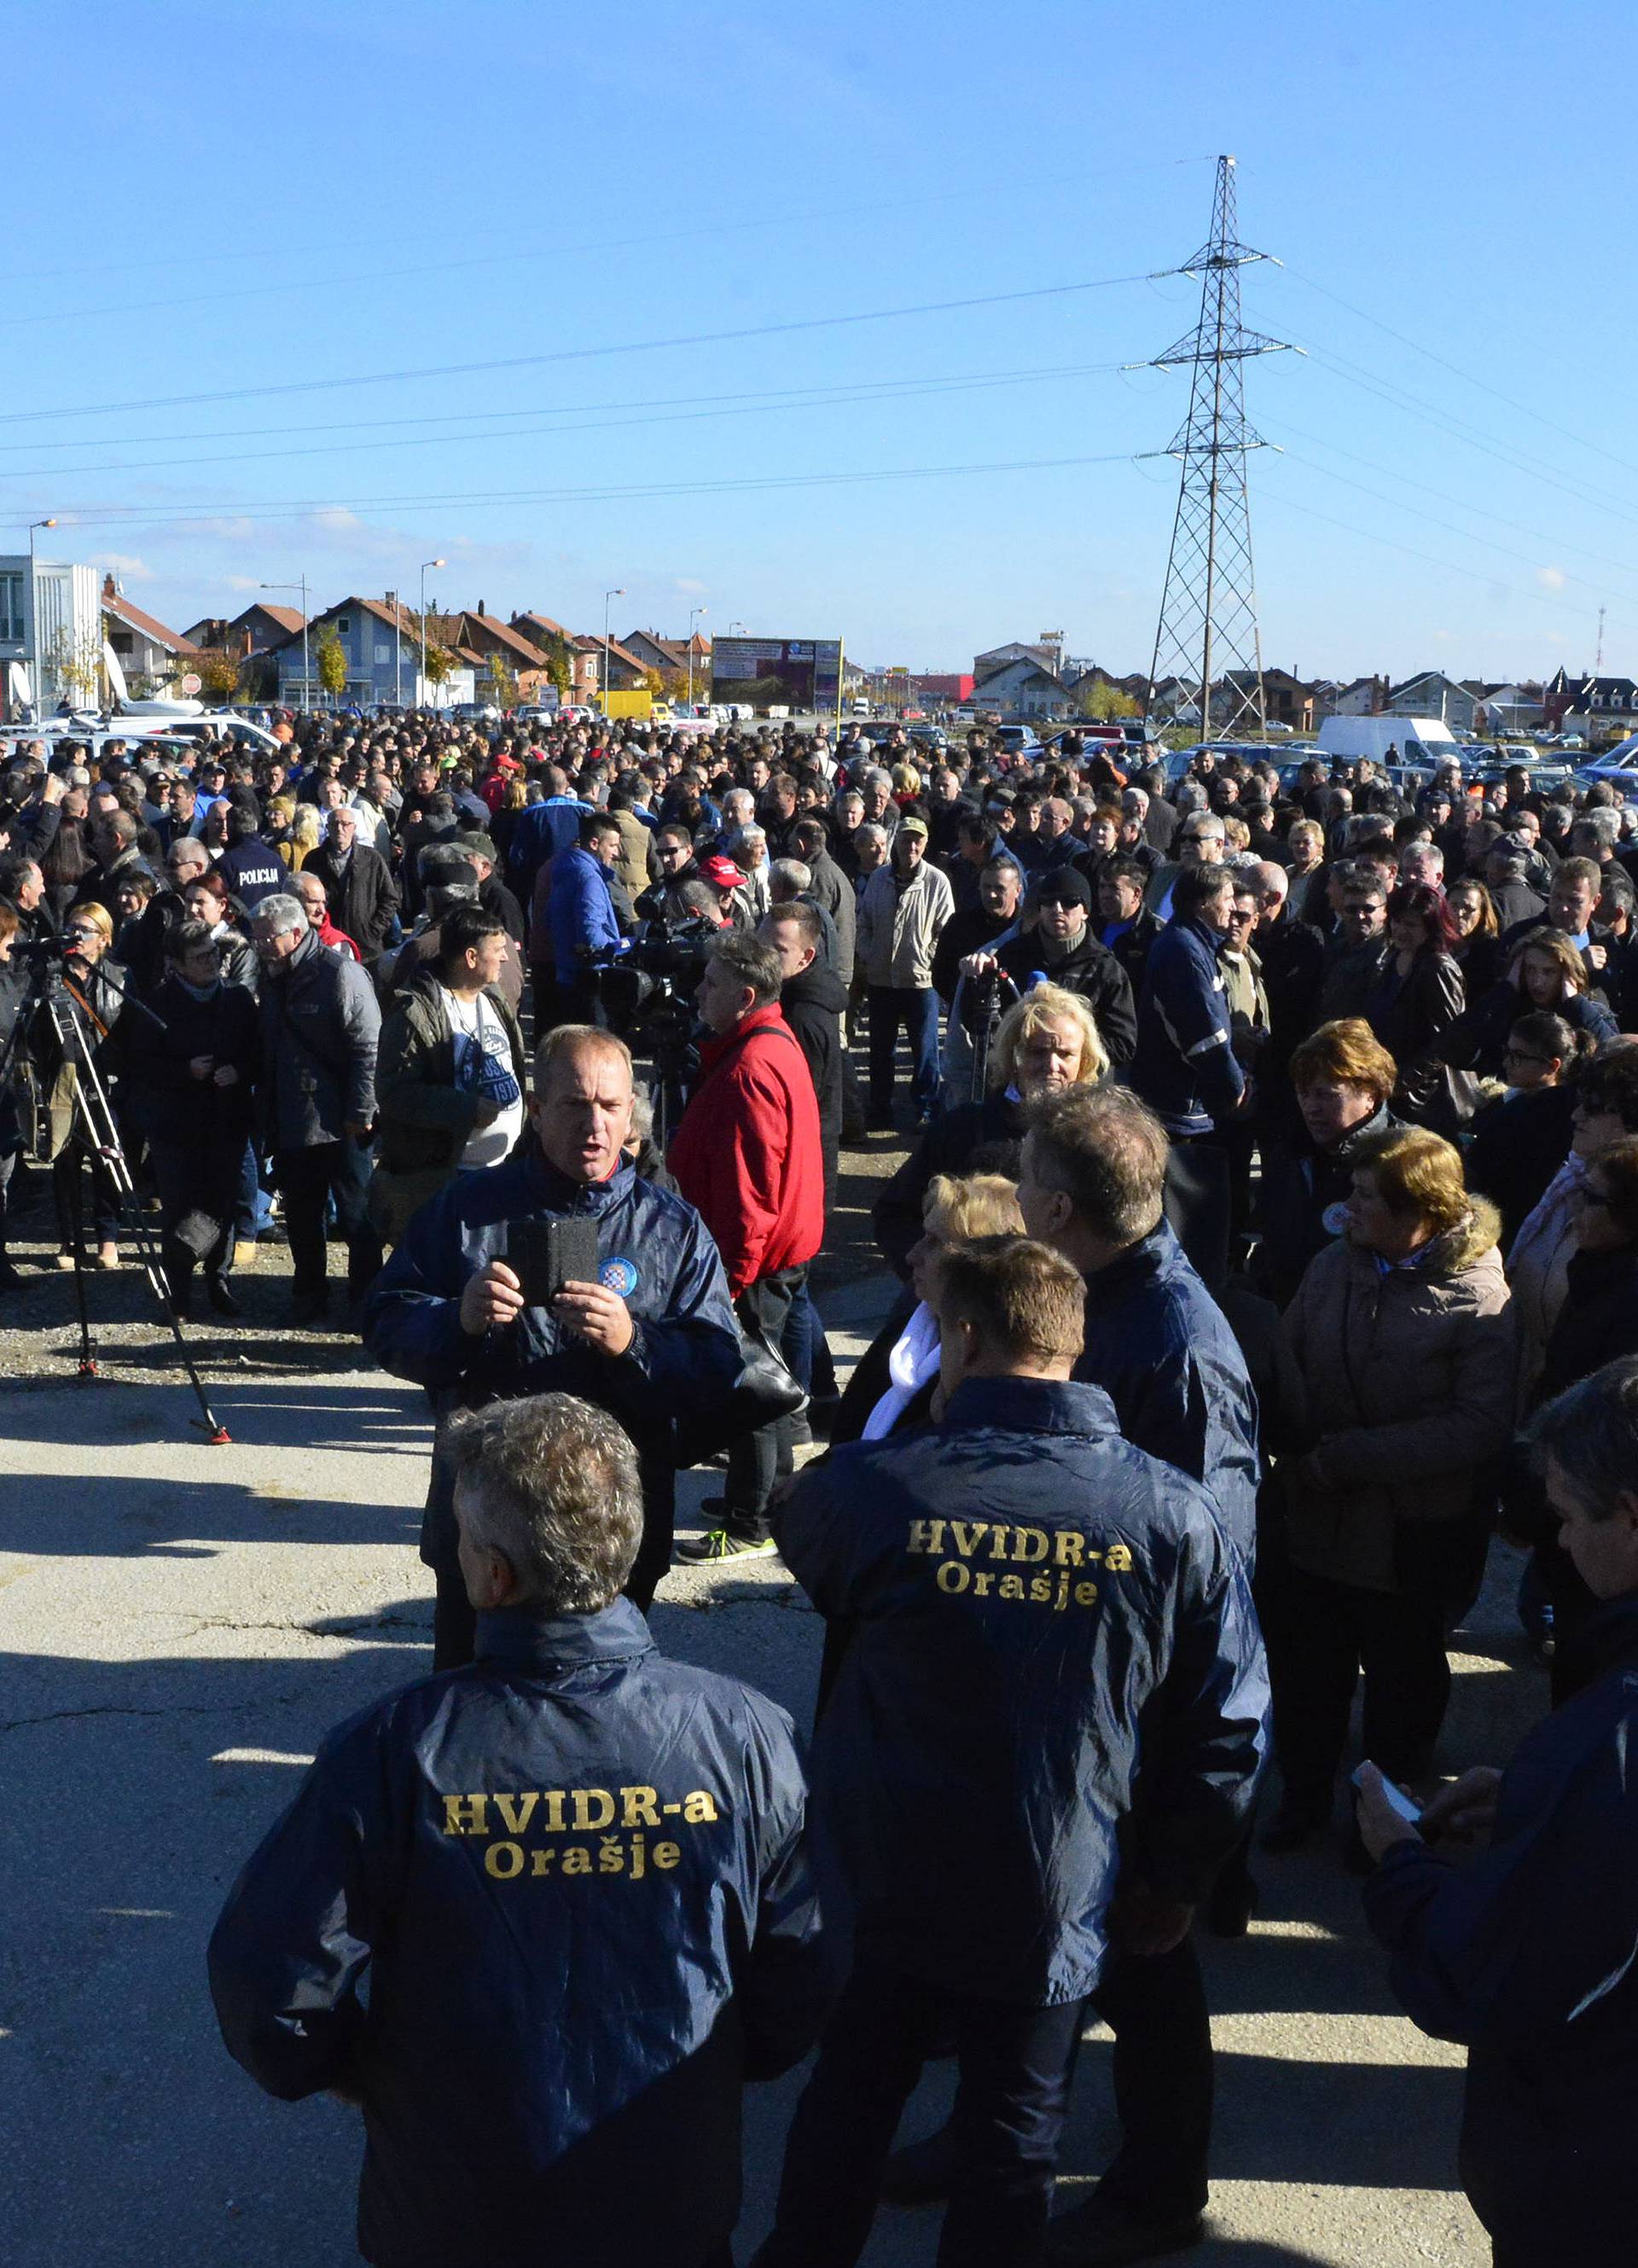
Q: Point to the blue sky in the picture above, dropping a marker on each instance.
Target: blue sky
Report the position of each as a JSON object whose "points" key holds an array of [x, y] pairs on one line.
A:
{"points": [[284, 209]]}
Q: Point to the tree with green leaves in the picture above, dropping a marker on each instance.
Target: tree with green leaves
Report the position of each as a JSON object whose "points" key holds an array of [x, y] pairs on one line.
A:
{"points": [[440, 665], [331, 657], [560, 664], [1103, 703], [499, 683]]}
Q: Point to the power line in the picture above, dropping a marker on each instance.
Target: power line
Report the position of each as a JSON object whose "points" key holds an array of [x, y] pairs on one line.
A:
{"points": [[694, 232], [1483, 385], [126, 515], [739, 405], [1550, 543], [575, 354]]}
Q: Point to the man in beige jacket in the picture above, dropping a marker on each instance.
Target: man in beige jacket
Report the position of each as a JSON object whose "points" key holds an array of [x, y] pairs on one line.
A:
{"points": [[904, 905]]}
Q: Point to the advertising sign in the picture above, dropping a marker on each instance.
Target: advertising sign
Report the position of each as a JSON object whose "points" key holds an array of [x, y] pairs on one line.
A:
{"points": [[777, 672]]}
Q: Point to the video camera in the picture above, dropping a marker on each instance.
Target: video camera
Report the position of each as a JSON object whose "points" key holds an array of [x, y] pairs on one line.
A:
{"points": [[653, 981]]}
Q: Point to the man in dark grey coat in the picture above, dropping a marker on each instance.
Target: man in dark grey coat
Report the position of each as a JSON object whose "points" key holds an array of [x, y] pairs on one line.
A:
{"points": [[320, 1028]]}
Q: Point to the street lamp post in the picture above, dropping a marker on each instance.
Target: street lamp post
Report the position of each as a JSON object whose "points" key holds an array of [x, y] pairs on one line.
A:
{"points": [[607, 595], [425, 565], [306, 662], [693, 615], [35, 686]]}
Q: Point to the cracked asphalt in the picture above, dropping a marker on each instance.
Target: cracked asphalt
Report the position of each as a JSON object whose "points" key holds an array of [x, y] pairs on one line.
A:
{"points": [[181, 1624]]}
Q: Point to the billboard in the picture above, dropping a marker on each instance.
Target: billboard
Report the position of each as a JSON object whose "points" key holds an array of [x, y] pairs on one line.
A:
{"points": [[777, 672]]}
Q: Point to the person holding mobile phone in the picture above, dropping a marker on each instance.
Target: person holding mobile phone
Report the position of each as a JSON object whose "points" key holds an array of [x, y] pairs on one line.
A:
{"points": [[651, 1337]]}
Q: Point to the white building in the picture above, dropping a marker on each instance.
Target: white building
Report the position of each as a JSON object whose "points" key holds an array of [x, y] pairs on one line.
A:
{"points": [[50, 628]]}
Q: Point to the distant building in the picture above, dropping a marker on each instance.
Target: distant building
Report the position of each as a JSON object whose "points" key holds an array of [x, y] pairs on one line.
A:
{"points": [[382, 646], [1597, 707], [946, 690], [1021, 688], [54, 616], [256, 630], [147, 651], [1433, 694]]}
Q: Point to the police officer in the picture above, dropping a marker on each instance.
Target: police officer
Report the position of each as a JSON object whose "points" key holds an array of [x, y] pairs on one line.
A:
{"points": [[1026, 1589], [653, 1337], [574, 1876]]}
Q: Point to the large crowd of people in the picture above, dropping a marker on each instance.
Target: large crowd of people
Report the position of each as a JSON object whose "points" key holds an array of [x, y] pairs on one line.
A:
{"points": [[1264, 1244]]}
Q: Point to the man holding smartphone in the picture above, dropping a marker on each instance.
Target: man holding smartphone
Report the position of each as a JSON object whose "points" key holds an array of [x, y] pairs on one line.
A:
{"points": [[648, 1336]]}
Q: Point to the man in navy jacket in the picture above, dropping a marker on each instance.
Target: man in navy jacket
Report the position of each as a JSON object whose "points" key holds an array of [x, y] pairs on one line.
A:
{"points": [[573, 1877], [1037, 1605], [653, 1339], [1184, 1067]]}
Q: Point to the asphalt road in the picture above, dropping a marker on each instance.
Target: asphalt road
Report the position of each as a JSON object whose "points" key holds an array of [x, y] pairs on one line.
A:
{"points": [[180, 1623]]}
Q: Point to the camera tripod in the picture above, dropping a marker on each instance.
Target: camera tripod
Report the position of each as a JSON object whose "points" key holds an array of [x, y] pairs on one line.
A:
{"points": [[51, 994]]}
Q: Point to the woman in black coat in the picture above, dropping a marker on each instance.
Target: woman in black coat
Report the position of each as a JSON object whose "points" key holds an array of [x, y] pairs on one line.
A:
{"points": [[195, 1098], [1414, 1002], [1519, 1141]]}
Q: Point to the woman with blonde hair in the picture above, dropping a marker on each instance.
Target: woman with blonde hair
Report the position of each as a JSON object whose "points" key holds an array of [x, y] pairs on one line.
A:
{"points": [[1047, 1041], [956, 1211], [1403, 1336], [891, 1389], [304, 837]]}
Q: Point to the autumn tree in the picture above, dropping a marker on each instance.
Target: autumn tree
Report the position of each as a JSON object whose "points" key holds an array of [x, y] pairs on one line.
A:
{"points": [[331, 657]]}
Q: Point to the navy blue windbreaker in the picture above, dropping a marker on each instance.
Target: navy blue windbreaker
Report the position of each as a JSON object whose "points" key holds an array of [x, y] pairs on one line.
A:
{"points": [[543, 1915], [1162, 1350], [1528, 1954], [652, 1247], [1055, 1661]]}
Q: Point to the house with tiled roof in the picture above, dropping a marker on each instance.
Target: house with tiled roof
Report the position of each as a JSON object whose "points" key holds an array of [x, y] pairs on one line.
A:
{"points": [[256, 629], [381, 640], [145, 647]]}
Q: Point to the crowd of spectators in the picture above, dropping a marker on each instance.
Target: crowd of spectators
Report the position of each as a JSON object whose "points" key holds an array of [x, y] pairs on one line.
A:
{"points": [[1270, 1174]]}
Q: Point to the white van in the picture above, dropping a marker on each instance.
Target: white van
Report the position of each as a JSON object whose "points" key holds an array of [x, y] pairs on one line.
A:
{"points": [[1413, 740]]}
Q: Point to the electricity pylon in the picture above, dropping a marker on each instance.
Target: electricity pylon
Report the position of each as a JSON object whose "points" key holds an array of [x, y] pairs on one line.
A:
{"points": [[1207, 623]]}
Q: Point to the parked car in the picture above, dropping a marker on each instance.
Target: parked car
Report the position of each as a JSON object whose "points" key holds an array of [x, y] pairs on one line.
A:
{"points": [[1017, 739]]}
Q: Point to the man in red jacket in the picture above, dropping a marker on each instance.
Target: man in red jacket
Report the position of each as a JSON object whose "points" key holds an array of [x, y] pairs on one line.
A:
{"points": [[747, 1156]]}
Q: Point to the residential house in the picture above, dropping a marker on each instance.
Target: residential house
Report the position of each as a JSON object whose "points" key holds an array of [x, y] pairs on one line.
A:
{"points": [[1508, 707], [1047, 656], [257, 630], [382, 644], [1432, 694], [1286, 700], [486, 636], [1364, 696], [147, 651], [583, 655], [1021, 688], [1598, 708]]}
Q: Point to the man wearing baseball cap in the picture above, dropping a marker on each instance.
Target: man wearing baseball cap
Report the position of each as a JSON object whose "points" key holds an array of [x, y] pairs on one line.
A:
{"points": [[903, 907]]}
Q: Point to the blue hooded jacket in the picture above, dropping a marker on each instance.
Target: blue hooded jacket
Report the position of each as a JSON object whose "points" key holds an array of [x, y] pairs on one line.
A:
{"points": [[572, 1876], [1055, 1668]]}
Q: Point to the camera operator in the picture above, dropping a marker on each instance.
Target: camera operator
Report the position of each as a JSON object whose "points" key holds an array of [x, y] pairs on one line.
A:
{"points": [[96, 983], [652, 1340], [585, 925]]}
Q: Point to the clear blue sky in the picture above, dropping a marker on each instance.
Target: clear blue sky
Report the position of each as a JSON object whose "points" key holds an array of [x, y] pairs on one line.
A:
{"points": [[211, 201]]}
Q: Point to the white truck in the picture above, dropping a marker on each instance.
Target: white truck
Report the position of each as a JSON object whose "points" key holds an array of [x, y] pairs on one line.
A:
{"points": [[1418, 741]]}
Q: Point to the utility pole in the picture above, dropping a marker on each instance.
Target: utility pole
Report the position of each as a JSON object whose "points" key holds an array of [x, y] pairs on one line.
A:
{"points": [[1597, 658], [1209, 608]]}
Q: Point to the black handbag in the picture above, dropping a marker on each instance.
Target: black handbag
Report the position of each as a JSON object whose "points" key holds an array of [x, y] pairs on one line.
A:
{"points": [[764, 1390]]}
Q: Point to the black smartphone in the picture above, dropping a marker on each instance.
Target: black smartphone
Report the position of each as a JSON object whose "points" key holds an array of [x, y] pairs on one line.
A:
{"points": [[546, 1255]]}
